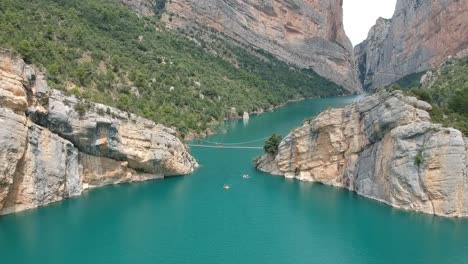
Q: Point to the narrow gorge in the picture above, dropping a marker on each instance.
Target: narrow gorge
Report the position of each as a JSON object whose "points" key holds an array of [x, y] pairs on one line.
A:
{"points": [[150, 131], [56, 145], [420, 35], [386, 147]]}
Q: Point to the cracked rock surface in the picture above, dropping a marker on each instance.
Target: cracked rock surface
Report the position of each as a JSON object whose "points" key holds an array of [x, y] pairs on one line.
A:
{"points": [[384, 148], [50, 151]]}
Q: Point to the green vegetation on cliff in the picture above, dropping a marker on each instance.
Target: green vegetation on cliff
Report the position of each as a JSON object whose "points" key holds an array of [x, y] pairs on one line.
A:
{"points": [[104, 52], [448, 94], [272, 144]]}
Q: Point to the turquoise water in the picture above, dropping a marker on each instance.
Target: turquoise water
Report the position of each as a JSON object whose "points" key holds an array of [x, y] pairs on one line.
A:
{"points": [[264, 219]]}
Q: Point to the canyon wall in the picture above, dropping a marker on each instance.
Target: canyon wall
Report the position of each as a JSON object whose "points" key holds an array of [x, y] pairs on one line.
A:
{"points": [[384, 148], [421, 35], [54, 146], [304, 33]]}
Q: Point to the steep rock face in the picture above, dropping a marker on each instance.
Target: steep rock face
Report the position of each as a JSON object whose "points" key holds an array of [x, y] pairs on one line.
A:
{"points": [[144, 7], [13, 130], [368, 54], [48, 172], [420, 35], [385, 148], [50, 151], [107, 132], [306, 33]]}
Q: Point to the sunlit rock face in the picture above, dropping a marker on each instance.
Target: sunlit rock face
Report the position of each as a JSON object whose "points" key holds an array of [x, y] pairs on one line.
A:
{"points": [[54, 146], [421, 35], [385, 148], [305, 33]]}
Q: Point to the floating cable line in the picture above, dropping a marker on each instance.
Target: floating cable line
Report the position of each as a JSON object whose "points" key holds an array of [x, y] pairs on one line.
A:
{"points": [[232, 143], [223, 147]]}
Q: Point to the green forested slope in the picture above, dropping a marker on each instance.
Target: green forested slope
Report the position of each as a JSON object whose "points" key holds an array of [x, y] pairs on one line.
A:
{"points": [[448, 94], [104, 52]]}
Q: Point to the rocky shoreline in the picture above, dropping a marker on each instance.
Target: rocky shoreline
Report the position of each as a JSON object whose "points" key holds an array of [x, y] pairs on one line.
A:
{"points": [[210, 132], [384, 148], [54, 146]]}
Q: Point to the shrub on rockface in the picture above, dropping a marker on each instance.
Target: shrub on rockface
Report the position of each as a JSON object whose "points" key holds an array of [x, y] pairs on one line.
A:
{"points": [[272, 144], [448, 94]]}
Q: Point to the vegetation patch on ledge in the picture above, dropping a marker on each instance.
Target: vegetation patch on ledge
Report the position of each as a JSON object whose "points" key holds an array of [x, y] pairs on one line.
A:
{"points": [[447, 92]]}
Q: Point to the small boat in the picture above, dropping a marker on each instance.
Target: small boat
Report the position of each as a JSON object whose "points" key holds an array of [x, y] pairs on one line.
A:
{"points": [[226, 187], [245, 176]]}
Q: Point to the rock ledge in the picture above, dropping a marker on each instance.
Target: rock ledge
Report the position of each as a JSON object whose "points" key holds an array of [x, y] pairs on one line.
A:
{"points": [[384, 148], [54, 146]]}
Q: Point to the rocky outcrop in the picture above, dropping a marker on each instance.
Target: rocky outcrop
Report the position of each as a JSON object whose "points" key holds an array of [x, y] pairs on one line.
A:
{"points": [[144, 7], [54, 146], [385, 148], [420, 35], [433, 75], [305, 33]]}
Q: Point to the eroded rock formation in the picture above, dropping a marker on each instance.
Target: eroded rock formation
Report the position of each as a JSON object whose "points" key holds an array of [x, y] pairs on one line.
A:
{"points": [[305, 33], [54, 146], [420, 35], [144, 7], [385, 148]]}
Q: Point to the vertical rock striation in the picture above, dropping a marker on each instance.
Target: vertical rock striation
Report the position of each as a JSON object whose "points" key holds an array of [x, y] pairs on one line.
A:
{"points": [[385, 148], [368, 54], [305, 33], [420, 35], [54, 146]]}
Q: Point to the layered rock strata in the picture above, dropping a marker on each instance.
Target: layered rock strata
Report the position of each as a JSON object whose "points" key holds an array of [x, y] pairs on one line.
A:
{"points": [[420, 36], [54, 146], [304, 33], [384, 148]]}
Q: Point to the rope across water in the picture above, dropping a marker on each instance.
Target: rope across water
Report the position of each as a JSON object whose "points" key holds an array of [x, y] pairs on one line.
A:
{"points": [[230, 145], [225, 147]]}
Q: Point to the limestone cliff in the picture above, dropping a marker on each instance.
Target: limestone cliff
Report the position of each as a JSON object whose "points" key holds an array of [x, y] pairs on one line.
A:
{"points": [[385, 148], [54, 146], [420, 35], [305, 33], [144, 7], [368, 54]]}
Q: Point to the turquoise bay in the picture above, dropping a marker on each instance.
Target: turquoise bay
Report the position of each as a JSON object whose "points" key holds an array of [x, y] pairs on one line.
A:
{"points": [[264, 219]]}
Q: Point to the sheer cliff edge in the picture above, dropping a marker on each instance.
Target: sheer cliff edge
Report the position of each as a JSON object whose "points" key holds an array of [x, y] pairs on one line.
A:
{"points": [[54, 146], [384, 148]]}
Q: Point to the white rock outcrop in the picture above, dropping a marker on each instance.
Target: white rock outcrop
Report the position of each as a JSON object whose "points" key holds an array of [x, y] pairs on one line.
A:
{"points": [[54, 146], [385, 148]]}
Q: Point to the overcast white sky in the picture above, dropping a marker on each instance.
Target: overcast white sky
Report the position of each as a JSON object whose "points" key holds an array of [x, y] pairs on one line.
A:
{"points": [[360, 16]]}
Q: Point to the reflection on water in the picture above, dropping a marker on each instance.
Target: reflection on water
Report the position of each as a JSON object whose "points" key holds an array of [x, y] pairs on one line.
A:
{"points": [[245, 121]]}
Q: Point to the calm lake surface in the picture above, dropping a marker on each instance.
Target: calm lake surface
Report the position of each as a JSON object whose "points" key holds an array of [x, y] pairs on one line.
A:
{"points": [[264, 219]]}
